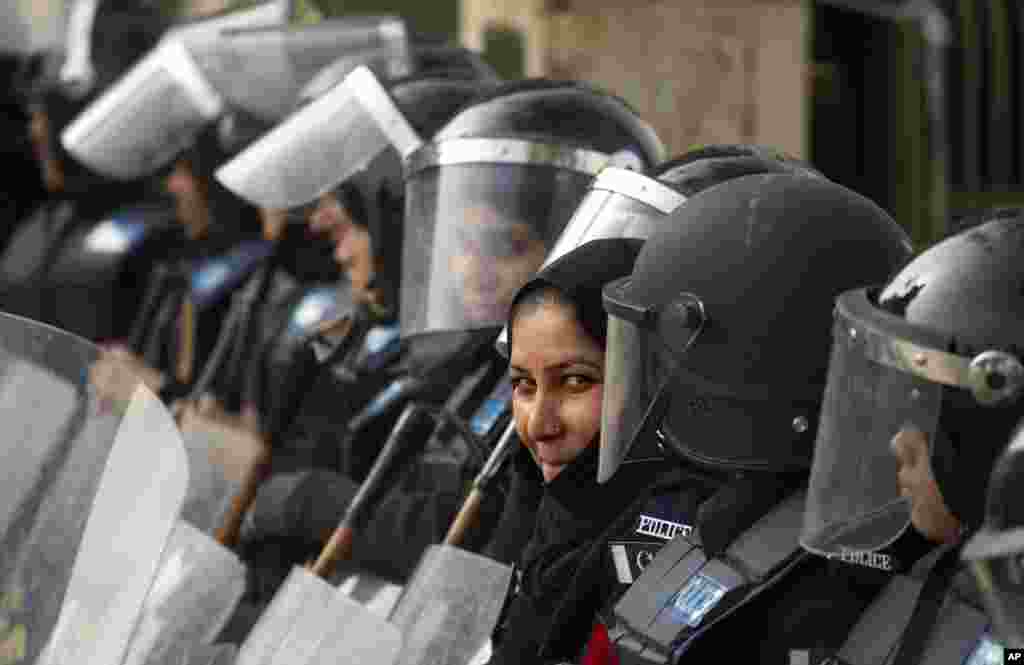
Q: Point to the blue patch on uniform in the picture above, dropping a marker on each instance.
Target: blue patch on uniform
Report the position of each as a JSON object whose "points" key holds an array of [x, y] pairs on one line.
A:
{"points": [[379, 347], [214, 278], [116, 235], [492, 408], [316, 306], [380, 338], [696, 599], [384, 399]]}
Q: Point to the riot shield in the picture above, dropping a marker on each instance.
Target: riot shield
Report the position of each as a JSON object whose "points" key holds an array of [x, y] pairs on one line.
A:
{"points": [[211, 484], [450, 606], [88, 496], [355, 636], [197, 589], [310, 621], [298, 607], [195, 654]]}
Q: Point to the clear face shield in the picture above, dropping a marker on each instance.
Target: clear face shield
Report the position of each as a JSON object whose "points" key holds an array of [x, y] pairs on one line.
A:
{"points": [[321, 145], [192, 77], [481, 215], [264, 70], [620, 204], [880, 383], [147, 118], [644, 350]]}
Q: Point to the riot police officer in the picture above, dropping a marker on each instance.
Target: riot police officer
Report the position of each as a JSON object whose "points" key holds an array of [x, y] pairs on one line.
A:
{"points": [[485, 200], [620, 204], [104, 45], [717, 356], [924, 388]]}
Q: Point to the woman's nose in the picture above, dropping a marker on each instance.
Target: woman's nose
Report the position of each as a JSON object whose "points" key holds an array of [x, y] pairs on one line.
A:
{"points": [[545, 417]]}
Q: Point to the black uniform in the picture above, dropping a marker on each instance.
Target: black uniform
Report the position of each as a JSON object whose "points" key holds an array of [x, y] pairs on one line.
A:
{"points": [[721, 353]]}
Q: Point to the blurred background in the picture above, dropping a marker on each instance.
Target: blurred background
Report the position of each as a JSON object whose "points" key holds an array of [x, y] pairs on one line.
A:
{"points": [[914, 103]]}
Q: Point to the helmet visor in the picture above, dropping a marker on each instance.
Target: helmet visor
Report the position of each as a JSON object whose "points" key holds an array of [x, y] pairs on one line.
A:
{"points": [[640, 360], [143, 121], [474, 234], [262, 71], [855, 502], [321, 145], [620, 204]]}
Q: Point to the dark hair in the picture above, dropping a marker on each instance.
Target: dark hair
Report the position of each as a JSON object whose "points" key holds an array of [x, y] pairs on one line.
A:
{"points": [[539, 293]]}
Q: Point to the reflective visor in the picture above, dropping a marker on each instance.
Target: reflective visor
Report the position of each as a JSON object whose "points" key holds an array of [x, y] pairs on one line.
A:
{"points": [[855, 501], [479, 227], [321, 145], [645, 348], [620, 204], [143, 121], [263, 70]]}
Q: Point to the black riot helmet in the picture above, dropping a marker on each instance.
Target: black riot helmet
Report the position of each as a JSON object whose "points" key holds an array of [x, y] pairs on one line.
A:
{"points": [[996, 552], [937, 349], [487, 198], [625, 204], [718, 342]]}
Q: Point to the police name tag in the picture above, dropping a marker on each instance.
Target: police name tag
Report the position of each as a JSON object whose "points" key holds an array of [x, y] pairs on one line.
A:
{"points": [[698, 597]]}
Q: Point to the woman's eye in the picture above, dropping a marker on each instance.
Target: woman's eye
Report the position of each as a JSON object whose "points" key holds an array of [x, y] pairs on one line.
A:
{"points": [[519, 383], [578, 381]]}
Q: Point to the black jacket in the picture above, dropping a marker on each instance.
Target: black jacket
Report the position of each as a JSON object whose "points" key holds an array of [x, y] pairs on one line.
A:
{"points": [[568, 515]]}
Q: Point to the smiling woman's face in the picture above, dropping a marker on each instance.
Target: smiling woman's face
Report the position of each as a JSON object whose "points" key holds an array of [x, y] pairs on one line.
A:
{"points": [[928, 510], [557, 372]]}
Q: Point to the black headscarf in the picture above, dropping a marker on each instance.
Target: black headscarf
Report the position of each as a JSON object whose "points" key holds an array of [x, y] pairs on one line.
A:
{"points": [[580, 276]]}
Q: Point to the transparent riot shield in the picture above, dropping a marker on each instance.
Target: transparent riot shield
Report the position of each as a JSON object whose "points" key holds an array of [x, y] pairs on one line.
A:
{"points": [[355, 636], [450, 607], [198, 587], [194, 654], [88, 496], [211, 485], [310, 621]]}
